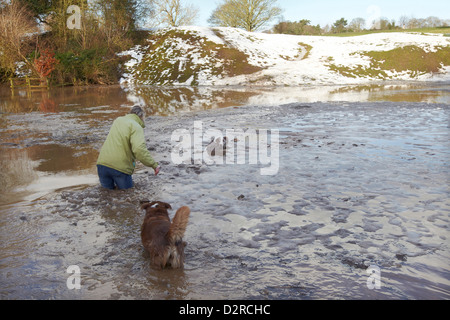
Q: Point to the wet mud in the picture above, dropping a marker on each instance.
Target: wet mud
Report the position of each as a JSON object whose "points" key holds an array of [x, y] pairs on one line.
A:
{"points": [[358, 185]]}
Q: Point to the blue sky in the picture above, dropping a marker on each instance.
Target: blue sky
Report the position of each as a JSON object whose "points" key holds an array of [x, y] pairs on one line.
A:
{"points": [[325, 12]]}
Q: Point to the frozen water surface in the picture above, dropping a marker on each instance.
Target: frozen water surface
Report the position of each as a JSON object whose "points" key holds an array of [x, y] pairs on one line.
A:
{"points": [[359, 184]]}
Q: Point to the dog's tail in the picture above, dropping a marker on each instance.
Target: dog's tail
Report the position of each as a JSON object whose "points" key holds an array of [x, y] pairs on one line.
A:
{"points": [[179, 224]]}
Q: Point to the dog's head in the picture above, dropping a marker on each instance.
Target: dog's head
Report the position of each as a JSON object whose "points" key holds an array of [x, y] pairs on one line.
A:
{"points": [[155, 204]]}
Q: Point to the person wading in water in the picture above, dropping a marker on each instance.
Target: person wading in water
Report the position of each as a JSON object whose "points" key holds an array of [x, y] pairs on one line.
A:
{"points": [[124, 145]]}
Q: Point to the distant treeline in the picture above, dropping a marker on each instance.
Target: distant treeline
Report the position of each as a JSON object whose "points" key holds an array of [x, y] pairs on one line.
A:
{"points": [[304, 27]]}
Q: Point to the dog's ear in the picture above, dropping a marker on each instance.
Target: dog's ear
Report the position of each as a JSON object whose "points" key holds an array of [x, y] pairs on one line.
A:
{"points": [[168, 206], [147, 204]]}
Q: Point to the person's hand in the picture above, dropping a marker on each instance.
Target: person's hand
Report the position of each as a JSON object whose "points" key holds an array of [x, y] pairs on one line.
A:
{"points": [[157, 170]]}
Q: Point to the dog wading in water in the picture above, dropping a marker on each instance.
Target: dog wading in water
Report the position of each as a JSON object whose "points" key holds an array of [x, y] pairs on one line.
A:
{"points": [[162, 238]]}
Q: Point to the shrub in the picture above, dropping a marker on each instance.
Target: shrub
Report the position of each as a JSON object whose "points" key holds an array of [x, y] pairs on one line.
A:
{"points": [[90, 66]]}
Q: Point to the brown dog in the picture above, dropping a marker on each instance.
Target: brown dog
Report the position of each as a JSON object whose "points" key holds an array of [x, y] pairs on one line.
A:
{"points": [[164, 239]]}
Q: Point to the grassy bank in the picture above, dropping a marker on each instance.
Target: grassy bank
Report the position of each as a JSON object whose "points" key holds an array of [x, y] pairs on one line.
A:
{"points": [[412, 60], [179, 56]]}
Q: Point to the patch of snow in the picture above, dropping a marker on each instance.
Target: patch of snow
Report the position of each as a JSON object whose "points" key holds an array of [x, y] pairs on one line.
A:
{"points": [[136, 54]]}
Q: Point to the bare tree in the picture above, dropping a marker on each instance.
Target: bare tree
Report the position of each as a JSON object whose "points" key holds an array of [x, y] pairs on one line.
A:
{"points": [[403, 22], [433, 22], [414, 23], [174, 14], [225, 15], [248, 14], [16, 27], [430, 22], [357, 24]]}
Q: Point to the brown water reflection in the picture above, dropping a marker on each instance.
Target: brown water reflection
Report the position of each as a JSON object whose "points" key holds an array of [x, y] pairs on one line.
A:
{"points": [[17, 169], [438, 93], [168, 101], [172, 100], [60, 99], [25, 171]]}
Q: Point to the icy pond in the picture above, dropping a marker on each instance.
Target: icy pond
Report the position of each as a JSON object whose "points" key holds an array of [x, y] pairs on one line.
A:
{"points": [[358, 207]]}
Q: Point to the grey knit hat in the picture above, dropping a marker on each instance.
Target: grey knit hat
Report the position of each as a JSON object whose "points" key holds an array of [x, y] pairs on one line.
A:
{"points": [[138, 111]]}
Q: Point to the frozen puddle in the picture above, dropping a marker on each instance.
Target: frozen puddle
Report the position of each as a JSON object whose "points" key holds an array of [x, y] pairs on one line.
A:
{"points": [[359, 185]]}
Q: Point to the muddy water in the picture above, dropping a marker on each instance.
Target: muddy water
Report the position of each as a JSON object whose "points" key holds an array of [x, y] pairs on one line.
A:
{"points": [[360, 183]]}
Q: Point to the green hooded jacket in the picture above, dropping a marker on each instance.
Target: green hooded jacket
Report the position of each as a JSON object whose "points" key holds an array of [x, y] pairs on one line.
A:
{"points": [[124, 144]]}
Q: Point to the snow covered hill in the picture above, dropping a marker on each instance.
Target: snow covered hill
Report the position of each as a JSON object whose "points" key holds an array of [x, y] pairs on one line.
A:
{"points": [[229, 56]]}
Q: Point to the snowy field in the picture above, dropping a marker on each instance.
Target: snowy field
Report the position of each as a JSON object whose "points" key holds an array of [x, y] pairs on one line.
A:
{"points": [[290, 59]]}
